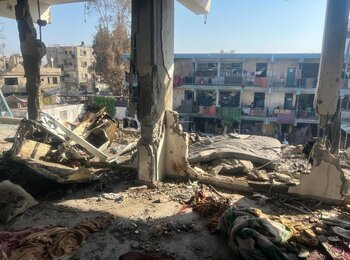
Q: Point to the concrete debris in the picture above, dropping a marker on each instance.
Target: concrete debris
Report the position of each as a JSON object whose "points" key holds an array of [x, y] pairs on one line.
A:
{"points": [[66, 155], [113, 196], [256, 175], [257, 149], [14, 200]]}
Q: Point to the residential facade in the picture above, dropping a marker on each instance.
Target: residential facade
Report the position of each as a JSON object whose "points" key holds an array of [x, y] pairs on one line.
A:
{"points": [[74, 62], [13, 81], [267, 94]]}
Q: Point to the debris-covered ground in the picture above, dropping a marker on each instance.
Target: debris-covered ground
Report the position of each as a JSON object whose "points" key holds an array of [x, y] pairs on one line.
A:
{"points": [[106, 214], [162, 222]]}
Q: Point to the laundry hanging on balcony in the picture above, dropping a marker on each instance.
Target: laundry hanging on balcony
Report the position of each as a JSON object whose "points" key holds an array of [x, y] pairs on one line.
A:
{"points": [[229, 115]]}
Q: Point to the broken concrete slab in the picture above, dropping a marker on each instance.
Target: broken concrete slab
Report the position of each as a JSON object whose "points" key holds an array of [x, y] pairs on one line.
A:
{"points": [[63, 155], [14, 200], [257, 149], [326, 180]]}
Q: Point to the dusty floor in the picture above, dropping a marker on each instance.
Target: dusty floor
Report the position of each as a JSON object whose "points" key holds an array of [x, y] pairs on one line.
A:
{"points": [[146, 220], [153, 220]]}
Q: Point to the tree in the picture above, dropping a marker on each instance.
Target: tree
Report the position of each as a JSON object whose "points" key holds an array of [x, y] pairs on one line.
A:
{"points": [[2, 44], [111, 41]]}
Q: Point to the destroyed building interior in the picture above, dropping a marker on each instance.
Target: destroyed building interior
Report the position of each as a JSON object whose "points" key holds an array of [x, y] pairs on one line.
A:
{"points": [[95, 189]]}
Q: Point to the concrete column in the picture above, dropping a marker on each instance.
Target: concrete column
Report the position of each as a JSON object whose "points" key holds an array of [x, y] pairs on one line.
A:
{"points": [[219, 67], [153, 62], [217, 103], [332, 59], [33, 51]]}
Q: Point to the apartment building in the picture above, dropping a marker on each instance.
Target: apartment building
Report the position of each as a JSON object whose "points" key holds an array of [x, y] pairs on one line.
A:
{"points": [[74, 62], [268, 94]]}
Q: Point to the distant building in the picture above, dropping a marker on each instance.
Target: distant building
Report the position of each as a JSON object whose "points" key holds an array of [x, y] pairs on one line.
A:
{"points": [[267, 94], [14, 82], [74, 62]]}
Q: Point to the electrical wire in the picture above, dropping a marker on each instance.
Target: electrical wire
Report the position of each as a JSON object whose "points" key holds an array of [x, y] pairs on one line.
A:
{"points": [[39, 21]]}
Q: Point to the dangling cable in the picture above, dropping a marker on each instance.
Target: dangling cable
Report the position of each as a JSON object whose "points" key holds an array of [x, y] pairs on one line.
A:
{"points": [[85, 12], [39, 23]]}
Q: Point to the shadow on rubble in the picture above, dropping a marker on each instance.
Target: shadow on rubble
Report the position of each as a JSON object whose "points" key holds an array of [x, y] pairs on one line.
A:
{"points": [[39, 186]]}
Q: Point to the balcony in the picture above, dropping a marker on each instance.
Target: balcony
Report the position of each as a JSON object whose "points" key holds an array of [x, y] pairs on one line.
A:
{"points": [[283, 116], [307, 114], [345, 116], [254, 113]]}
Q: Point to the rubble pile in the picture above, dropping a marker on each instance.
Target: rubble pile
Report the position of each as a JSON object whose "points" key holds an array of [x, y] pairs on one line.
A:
{"points": [[67, 153], [256, 159]]}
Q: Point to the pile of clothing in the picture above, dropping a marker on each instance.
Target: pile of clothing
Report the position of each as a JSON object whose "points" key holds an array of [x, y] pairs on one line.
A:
{"points": [[48, 242], [248, 231]]}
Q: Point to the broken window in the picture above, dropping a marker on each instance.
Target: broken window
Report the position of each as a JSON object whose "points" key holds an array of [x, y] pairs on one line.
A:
{"points": [[11, 81], [233, 72], [261, 70], [207, 69]]}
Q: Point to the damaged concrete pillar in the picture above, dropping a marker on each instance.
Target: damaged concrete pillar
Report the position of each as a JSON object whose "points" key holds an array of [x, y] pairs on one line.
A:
{"points": [[32, 52], [332, 60], [327, 179], [152, 60]]}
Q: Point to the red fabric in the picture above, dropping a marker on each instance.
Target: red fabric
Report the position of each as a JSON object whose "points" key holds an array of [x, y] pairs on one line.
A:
{"points": [[10, 239]]}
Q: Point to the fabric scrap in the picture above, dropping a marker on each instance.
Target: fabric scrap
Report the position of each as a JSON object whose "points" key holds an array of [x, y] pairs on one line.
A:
{"points": [[57, 242], [252, 236]]}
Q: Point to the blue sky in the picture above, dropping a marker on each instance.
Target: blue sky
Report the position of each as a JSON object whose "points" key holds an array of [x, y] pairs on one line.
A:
{"points": [[240, 25]]}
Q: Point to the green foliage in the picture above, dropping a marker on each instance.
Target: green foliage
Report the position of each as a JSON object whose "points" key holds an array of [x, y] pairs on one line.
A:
{"points": [[107, 102], [48, 101]]}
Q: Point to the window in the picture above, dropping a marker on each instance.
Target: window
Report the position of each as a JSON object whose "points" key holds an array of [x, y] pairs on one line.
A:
{"points": [[83, 88], [83, 52], [207, 69], [232, 72], [261, 70], [68, 63], [11, 81], [259, 100], [84, 64], [52, 80], [309, 70], [229, 99]]}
